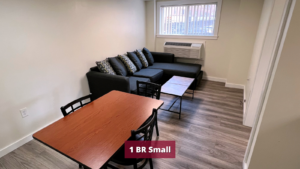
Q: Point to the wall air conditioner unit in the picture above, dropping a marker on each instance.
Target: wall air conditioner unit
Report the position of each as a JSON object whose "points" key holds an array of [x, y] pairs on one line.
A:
{"points": [[184, 50]]}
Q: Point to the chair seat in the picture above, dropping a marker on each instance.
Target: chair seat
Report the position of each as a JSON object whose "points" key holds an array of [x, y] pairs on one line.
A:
{"points": [[119, 156], [153, 74]]}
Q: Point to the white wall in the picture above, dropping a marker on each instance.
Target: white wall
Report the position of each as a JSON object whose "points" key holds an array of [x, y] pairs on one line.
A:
{"points": [[217, 52], [259, 42], [243, 40], [223, 60], [263, 56], [150, 24], [46, 49], [278, 138]]}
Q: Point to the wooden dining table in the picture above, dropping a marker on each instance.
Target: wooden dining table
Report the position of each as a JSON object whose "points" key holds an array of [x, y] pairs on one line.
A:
{"points": [[92, 134]]}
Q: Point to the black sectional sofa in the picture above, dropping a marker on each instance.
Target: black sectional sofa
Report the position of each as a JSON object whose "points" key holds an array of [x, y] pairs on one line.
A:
{"points": [[160, 72]]}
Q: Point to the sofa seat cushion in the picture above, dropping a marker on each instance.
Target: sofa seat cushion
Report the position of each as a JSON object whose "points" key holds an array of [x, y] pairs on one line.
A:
{"points": [[132, 82], [153, 74], [178, 69]]}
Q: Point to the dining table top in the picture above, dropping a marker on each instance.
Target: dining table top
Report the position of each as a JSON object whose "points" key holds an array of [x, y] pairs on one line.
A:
{"points": [[93, 133]]}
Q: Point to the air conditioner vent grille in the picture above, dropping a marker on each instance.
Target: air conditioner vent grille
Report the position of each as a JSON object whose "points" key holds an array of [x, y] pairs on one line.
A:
{"points": [[179, 44], [184, 49]]}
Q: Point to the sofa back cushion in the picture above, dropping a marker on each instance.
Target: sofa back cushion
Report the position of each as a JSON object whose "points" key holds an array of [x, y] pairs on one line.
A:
{"points": [[148, 56], [94, 69], [128, 63], [142, 57], [118, 66], [105, 67], [134, 58]]}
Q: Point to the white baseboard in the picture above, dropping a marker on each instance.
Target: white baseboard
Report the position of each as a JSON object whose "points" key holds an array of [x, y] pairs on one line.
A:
{"points": [[20, 142], [232, 85], [215, 79], [15, 145], [245, 165]]}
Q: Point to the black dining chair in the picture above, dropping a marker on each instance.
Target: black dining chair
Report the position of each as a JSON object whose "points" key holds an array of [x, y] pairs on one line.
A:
{"points": [[78, 103], [149, 89], [142, 134]]}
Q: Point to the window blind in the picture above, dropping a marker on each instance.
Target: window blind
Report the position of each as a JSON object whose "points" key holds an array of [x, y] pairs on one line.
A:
{"points": [[195, 20]]}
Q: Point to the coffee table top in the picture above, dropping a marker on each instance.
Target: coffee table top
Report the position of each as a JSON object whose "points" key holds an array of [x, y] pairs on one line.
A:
{"points": [[177, 85]]}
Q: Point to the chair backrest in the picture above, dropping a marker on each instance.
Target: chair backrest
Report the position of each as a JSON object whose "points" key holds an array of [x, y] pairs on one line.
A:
{"points": [[148, 89], [78, 103], [145, 132]]}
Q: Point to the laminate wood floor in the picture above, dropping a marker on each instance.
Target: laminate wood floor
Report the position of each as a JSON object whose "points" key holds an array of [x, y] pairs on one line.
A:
{"points": [[209, 134]]}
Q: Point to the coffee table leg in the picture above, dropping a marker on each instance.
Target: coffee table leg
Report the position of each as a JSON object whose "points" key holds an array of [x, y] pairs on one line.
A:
{"points": [[193, 93], [180, 107]]}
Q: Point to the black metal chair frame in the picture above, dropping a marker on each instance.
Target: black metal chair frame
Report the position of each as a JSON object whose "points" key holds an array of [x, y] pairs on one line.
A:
{"points": [[144, 133], [71, 104], [149, 90]]}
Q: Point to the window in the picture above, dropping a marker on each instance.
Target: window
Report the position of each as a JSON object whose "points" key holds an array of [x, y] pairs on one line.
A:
{"points": [[189, 19]]}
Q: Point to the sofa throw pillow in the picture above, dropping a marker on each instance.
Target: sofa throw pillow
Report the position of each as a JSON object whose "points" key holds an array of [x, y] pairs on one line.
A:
{"points": [[134, 58], [118, 66], [142, 57], [105, 67], [149, 56], [127, 62]]}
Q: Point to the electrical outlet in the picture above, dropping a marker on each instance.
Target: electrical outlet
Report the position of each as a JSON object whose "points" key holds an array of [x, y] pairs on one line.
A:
{"points": [[24, 112]]}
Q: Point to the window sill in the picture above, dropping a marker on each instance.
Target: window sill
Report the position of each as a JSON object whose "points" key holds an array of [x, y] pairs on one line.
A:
{"points": [[187, 37]]}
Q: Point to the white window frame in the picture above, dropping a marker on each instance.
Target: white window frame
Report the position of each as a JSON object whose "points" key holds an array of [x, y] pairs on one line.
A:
{"points": [[189, 2]]}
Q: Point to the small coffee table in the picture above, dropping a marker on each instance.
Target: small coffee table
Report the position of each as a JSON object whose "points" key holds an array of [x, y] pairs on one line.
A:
{"points": [[177, 86]]}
